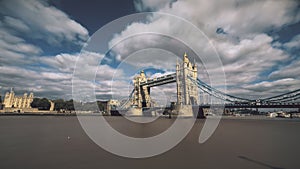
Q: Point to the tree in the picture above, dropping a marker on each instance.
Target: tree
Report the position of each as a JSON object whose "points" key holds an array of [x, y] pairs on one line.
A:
{"points": [[101, 105], [69, 105], [41, 104], [59, 104]]}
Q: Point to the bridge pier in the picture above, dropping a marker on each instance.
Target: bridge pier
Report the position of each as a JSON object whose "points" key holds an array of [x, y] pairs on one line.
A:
{"points": [[199, 112]]}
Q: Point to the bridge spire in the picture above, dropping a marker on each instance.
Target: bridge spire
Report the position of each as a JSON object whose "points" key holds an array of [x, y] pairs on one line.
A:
{"points": [[185, 58]]}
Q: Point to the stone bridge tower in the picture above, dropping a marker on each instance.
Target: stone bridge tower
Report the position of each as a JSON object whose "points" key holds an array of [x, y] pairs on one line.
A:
{"points": [[187, 91], [141, 95]]}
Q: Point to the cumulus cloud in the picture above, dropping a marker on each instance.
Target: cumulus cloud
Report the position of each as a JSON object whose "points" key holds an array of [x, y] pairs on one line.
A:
{"points": [[15, 50], [151, 5], [55, 80], [239, 17], [23, 63], [16, 24], [294, 43], [237, 29], [41, 21], [42, 83], [290, 71], [243, 62], [281, 85], [246, 50]]}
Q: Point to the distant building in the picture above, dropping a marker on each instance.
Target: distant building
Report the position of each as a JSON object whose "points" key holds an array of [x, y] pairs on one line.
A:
{"points": [[21, 102], [112, 105], [52, 105]]}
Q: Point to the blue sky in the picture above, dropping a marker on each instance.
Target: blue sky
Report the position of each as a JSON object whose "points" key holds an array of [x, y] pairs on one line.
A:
{"points": [[258, 43]]}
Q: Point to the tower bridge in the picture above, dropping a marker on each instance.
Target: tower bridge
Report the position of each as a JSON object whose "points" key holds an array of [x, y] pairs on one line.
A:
{"points": [[187, 90], [188, 87]]}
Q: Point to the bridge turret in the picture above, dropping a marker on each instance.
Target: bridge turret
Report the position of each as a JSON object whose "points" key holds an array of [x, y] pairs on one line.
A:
{"points": [[143, 77], [185, 58]]}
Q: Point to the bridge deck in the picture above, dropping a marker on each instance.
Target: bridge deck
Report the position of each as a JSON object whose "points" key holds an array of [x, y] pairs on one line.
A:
{"points": [[295, 105], [170, 78]]}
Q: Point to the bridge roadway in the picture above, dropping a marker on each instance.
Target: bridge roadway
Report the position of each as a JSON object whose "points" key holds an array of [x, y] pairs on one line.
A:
{"points": [[206, 106], [170, 78], [282, 105]]}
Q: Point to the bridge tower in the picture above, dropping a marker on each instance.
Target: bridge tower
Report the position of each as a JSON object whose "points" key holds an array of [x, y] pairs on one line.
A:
{"points": [[141, 95], [187, 91]]}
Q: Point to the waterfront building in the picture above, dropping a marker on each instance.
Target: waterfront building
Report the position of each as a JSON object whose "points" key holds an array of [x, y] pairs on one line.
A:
{"points": [[52, 105], [112, 105], [13, 101], [109, 105]]}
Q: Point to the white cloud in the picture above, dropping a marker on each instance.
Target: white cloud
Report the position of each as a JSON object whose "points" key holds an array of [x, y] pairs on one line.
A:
{"points": [[145, 5], [289, 71], [24, 65], [17, 44], [278, 86], [9, 38], [238, 17], [20, 47], [16, 24], [294, 43], [243, 62], [55, 80], [42, 83], [245, 49], [15, 51], [46, 22]]}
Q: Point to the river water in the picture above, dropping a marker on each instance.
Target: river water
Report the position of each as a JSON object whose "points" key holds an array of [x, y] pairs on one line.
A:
{"points": [[48, 142]]}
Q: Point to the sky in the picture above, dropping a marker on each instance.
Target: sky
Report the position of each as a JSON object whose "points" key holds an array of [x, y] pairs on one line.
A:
{"points": [[258, 43]]}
